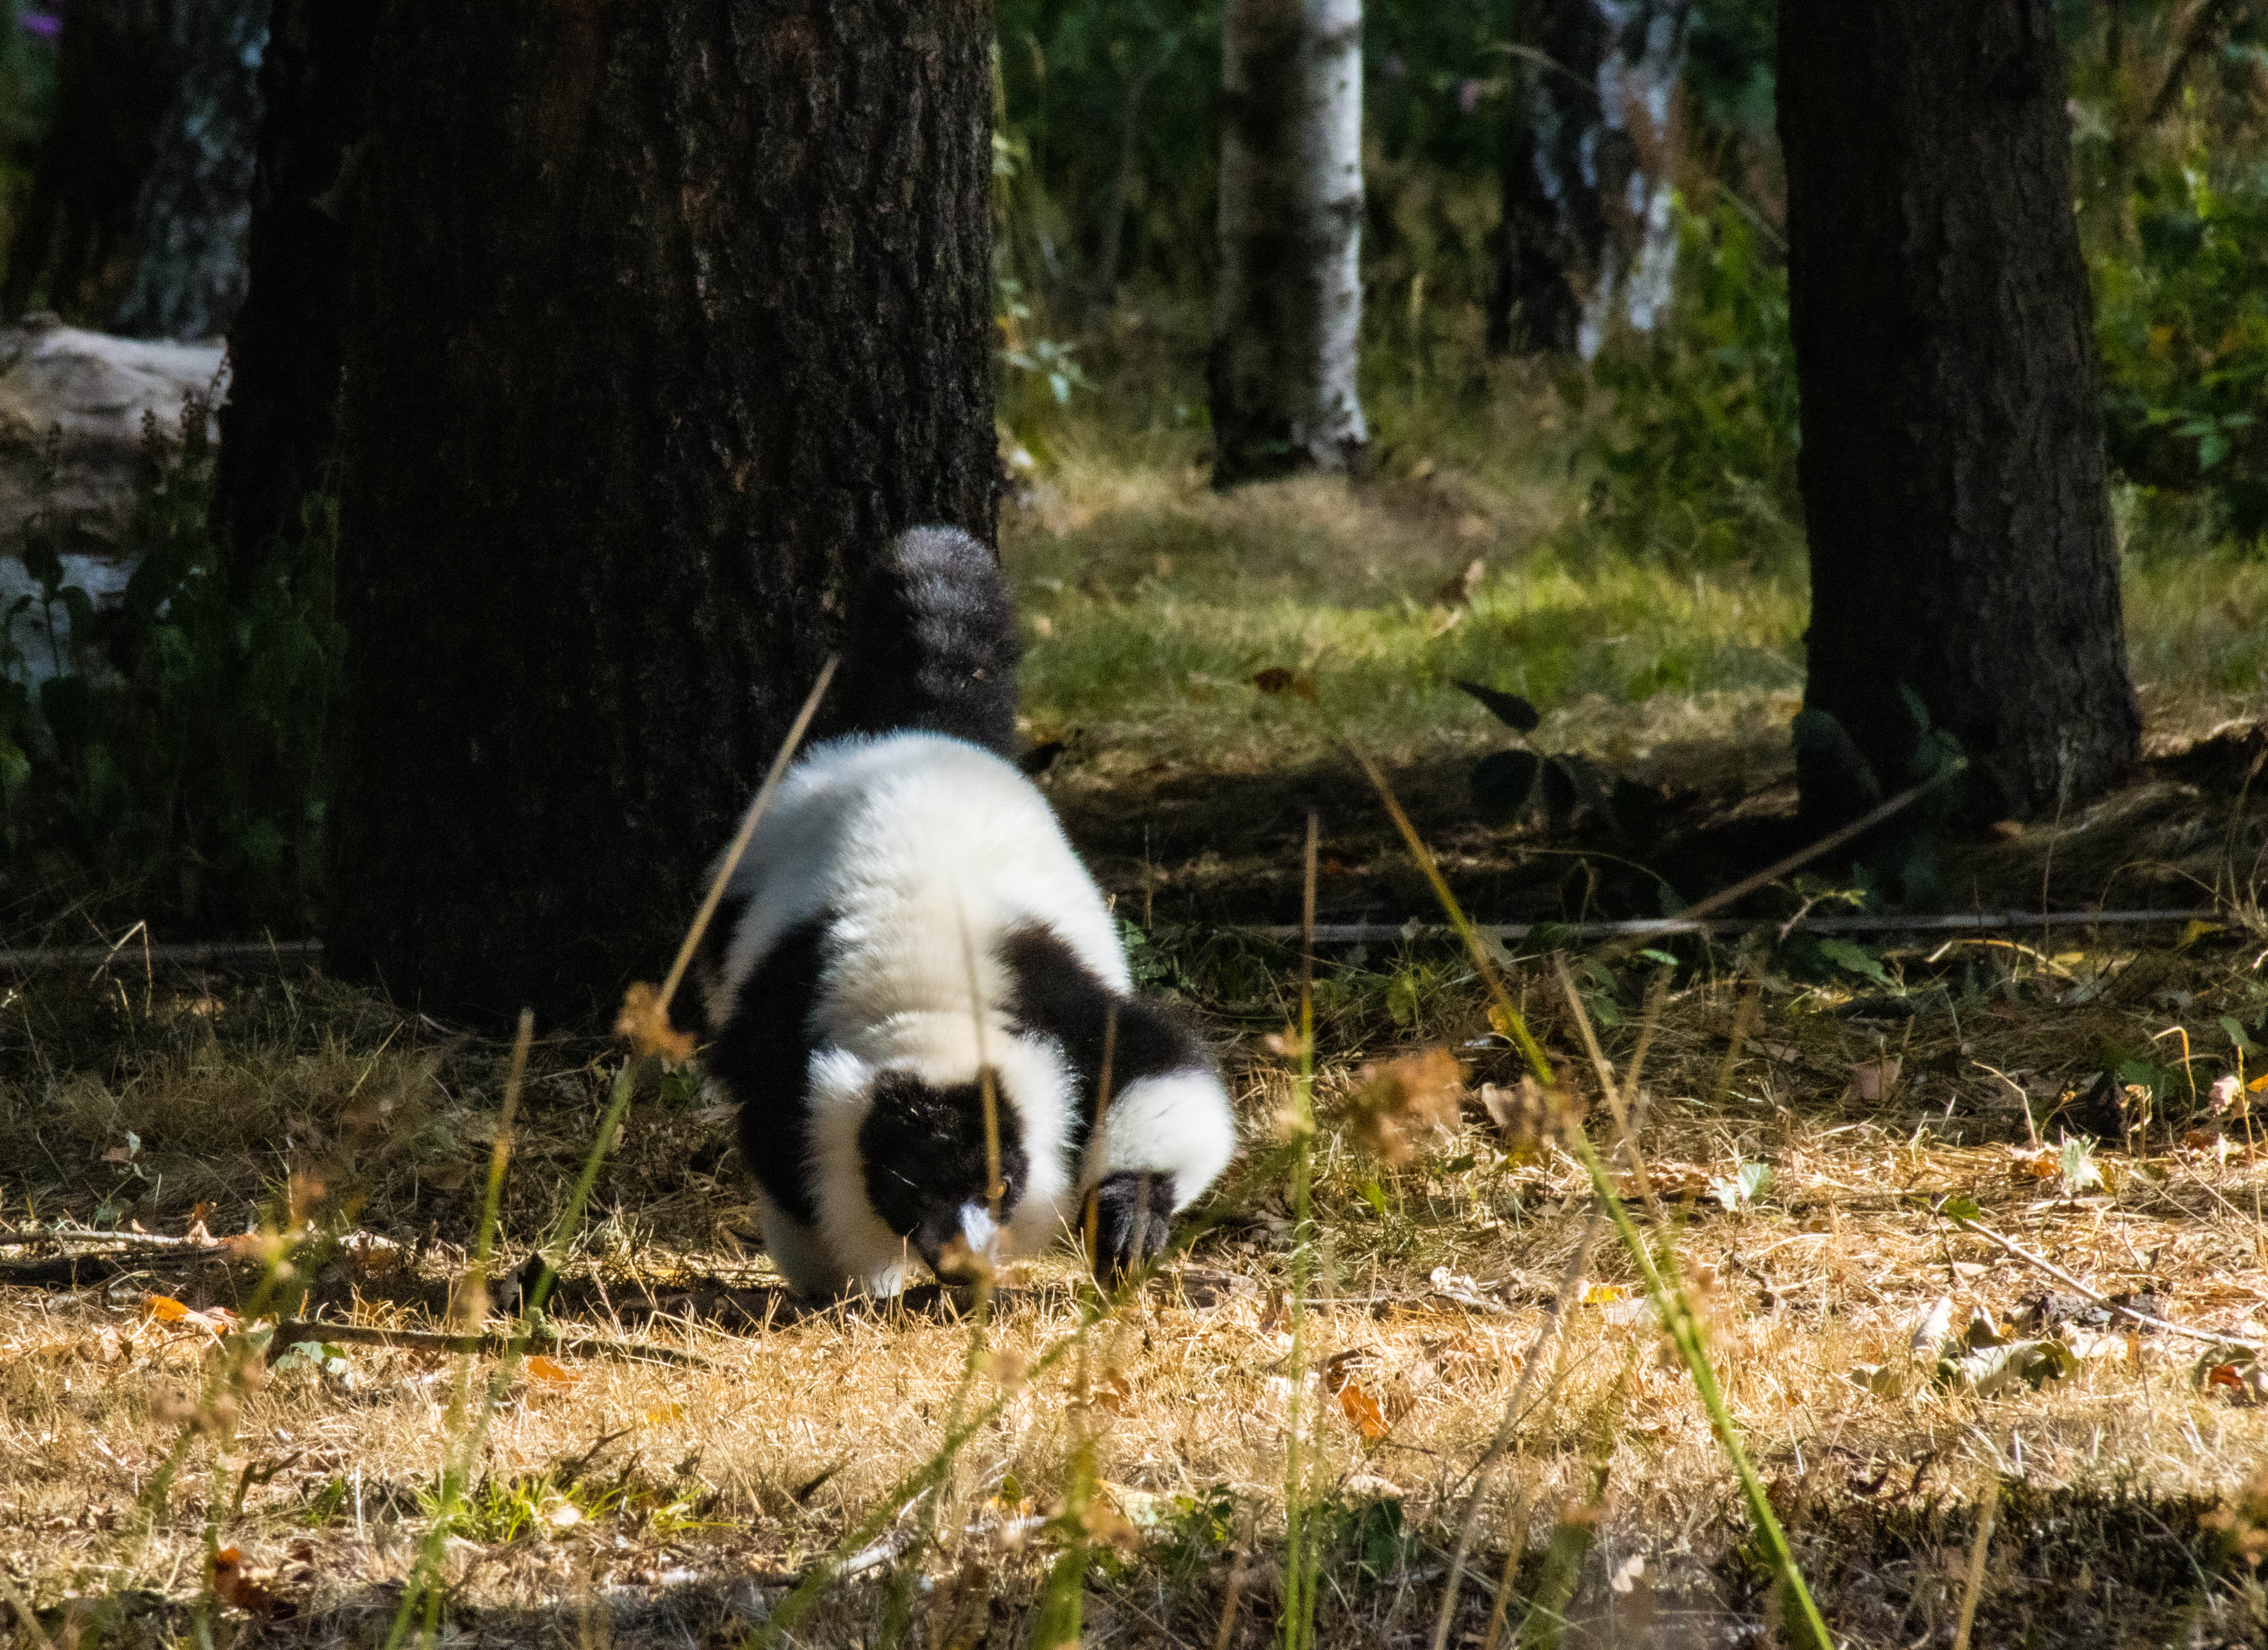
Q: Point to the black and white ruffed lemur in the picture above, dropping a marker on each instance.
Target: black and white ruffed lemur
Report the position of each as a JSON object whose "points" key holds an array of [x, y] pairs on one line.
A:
{"points": [[909, 916]]}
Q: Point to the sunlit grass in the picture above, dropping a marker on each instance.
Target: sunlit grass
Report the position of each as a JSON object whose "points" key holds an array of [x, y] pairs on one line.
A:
{"points": [[1152, 601]]}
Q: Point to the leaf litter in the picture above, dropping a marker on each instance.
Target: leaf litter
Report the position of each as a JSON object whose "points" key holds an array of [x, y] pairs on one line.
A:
{"points": [[1859, 1335]]}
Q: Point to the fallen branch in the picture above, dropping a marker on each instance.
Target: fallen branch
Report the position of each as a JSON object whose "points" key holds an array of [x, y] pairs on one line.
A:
{"points": [[293, 1330], [119, 1240], [2072, 1284], [94, 1269]]}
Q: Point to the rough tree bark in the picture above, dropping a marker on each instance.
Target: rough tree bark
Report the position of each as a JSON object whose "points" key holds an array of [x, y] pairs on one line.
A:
{"points": [[1288, 299], [136, 220], [665, 315], [1952, 462], [287, 341], [1590, 158]]}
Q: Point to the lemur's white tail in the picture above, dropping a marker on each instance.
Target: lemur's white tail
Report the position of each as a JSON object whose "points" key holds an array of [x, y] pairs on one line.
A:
{"points": [[933, 643]]}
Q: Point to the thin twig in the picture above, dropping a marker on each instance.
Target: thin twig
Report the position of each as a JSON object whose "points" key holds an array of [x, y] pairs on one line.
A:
{"points": [[2072, 1284], [489, 1343]]}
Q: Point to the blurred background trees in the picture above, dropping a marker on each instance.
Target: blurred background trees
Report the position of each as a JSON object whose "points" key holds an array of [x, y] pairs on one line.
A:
{"points": [[1574, 260]]}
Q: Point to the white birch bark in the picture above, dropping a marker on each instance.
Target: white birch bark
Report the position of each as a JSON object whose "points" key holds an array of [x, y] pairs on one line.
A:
{"points": [[1288, 303]]}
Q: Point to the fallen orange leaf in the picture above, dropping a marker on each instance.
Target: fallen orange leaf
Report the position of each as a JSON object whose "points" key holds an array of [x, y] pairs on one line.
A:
{"points": [[545, 1369], [1363, 1410]]}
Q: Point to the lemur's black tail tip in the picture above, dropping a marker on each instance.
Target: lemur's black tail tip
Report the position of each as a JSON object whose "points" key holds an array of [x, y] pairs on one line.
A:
{"points": [[933, 643]]}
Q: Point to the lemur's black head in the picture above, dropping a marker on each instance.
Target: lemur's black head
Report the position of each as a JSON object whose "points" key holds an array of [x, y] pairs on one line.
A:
{"points": [[928, 1170]]}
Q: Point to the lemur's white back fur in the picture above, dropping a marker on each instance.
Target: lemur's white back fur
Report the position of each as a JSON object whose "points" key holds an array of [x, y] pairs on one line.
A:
{"points": [[908, 914]]}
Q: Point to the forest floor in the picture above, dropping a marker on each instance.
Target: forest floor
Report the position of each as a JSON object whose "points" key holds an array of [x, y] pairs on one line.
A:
{"points": [[1806, 1116]]}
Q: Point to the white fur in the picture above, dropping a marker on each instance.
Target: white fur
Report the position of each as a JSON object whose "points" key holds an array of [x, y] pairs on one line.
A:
{"points": [[1179, 1124], [925, 849], [940, 1049], [924, 846]]}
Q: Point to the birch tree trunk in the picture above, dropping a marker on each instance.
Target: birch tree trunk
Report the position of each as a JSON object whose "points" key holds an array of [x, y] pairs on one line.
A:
{"points": [[1952, 470], [136, 218], [666, 315], [1288, 303], [1590, 158]]}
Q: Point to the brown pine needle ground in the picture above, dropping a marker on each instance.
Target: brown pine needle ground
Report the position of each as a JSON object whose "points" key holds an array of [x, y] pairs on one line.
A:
{"points": [[663, 1500]]}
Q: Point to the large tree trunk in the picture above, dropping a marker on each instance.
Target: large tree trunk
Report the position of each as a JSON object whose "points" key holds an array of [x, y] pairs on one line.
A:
{"points": [[1590, 158], [1952, 465], [287, 342], [666, 316], [136, 221], [1288, 301]]}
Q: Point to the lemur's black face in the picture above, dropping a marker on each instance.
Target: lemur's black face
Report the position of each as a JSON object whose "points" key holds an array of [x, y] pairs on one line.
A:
{"points": [[928, 1174]]}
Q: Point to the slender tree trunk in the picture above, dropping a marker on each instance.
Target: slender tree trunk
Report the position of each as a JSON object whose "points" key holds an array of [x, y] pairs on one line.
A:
{"points": [[1952, 466], [1288, 303], [190, 223], [1591, 153], [666, 316], [1110, 250], [115, 72], [287, 343], [135, 222]]}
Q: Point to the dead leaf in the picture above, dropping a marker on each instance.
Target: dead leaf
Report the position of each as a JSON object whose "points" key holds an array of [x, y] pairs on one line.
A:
{"points": [[550, 1371], [1604, 1295], [2034, 1162], [1277, 679], [1521, 1110], [1104, 1525], [237, 1584], [215, 1321], [1933, 1328], [1365, 1411], [1460, 590], [644, 1025], [1396, 1101], [1875, 1078]]}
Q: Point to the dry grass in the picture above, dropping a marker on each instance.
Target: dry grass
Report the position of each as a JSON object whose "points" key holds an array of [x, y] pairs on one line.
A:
{"points": [[692, 1488]]}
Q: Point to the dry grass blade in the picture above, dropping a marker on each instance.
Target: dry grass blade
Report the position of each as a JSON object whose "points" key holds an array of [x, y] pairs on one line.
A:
{"points": [[1668, 1296], [1570, 1280], [645, 1012], [1802, 857], [1973, 1587], [1300, 1568]]}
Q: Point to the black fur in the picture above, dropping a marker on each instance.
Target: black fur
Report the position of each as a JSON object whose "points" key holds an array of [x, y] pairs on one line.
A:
{"points": [[933, 643], [1053, 994], [925, 1155], [1133, 1220], [761, 1056]]}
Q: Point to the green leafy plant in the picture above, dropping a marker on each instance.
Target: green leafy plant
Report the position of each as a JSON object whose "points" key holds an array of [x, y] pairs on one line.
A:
{"points": [[1698, 449], [1568, 786], [173, 750], [2181, 323]]}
